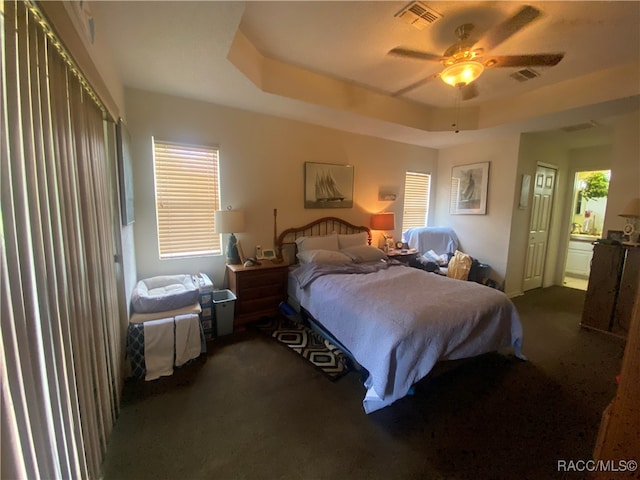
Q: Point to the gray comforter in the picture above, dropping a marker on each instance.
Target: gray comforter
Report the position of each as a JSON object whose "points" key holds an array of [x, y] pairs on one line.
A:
{"points": [[399, 321]]}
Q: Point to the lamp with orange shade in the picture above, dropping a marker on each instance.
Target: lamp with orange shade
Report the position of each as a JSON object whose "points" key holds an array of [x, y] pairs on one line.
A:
{"points": [[383, 221]]}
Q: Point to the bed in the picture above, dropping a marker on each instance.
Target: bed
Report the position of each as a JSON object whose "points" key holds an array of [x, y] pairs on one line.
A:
{"points": [[395, 321]]}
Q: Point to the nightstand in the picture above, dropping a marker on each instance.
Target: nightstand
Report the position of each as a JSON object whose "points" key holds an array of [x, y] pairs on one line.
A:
{"points": [[404, 256], [259, 290]]}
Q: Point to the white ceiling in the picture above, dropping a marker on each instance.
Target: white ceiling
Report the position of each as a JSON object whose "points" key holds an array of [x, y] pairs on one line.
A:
{"points": [[341, 50]]}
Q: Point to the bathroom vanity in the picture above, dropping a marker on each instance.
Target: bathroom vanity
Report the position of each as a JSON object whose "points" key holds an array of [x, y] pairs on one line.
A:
{"points": [[580, 254]]}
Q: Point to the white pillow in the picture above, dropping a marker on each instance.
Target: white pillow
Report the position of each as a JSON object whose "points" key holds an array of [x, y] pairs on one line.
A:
{"points": [[364, 253], [325, 242], [353, 240], [323, 256], [164, 292]]}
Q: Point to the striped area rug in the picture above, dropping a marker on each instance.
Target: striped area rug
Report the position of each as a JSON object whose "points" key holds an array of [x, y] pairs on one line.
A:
{"points": [[307, 343]]}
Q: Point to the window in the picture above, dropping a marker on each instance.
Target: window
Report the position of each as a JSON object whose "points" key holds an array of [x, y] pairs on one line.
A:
{"points": [[187, 194], [416, 200]]}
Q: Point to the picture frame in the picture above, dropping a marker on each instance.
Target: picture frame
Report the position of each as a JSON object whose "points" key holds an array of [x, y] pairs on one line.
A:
{"points": [[387, 194], [328, 185], [469, 186], [125, 173], [243, 258], [268, 254]]}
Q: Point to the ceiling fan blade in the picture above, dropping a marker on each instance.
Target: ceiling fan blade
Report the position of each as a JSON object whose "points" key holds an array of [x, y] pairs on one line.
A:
{"points": [[408, 53], [415, 85], [469, 91], [536, 60], [499, 34]]}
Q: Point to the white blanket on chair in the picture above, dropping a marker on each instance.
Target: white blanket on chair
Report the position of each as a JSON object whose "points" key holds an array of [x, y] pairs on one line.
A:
{"points": [[187, 338], [158, 348], [439, 239]]}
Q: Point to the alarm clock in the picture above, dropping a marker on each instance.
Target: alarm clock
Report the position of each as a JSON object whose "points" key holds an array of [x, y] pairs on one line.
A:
{"points": [[399, 245]]}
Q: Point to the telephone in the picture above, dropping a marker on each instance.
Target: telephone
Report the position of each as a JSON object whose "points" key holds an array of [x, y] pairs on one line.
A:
{"points": [[251, 262]]}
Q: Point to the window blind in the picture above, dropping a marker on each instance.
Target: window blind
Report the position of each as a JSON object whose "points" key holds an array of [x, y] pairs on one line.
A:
{"points": [[416, 200], [187, 194], [61, 335]]}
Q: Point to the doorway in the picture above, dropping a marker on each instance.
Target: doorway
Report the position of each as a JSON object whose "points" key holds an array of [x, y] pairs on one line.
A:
{"points": [[543, 188], [590, 190]]}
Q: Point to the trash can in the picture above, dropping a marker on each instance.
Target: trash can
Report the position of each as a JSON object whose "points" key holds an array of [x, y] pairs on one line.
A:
{"points": [[223, 303]]}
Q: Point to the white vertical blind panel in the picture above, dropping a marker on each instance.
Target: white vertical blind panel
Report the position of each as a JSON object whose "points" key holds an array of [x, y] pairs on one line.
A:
{"points": [[61, 345]]}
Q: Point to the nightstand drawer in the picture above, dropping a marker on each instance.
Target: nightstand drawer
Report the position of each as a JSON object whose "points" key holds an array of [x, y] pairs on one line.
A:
{"points": [[272, 290], [258, 305], [259, 278]]}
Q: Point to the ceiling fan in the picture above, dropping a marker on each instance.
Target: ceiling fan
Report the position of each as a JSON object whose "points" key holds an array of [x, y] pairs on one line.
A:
{"points": [[464, 64]]}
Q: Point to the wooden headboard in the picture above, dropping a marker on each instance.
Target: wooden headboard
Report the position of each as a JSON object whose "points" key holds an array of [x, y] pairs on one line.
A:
{"points": [[322, 226]]}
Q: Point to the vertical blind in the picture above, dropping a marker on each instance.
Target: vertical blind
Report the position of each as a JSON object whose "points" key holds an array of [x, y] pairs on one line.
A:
{"points": [[187, 195], [416, 200], [61, 336]]}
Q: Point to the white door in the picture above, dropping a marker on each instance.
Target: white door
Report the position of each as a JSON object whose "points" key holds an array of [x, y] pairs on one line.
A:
{"points": [[539, 227]]}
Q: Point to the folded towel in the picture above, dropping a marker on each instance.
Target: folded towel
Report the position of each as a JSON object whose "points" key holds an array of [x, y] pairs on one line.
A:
{"points": [[145, 317], [158, 347], [188, 345]]}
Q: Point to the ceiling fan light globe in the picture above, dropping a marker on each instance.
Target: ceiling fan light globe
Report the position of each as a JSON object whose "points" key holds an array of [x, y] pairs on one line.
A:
{"points": [[462, 73]]}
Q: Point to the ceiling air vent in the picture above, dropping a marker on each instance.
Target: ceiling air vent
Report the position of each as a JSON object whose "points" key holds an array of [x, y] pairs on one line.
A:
{"points": [[418, 15], [525, 74], [580, 126]]}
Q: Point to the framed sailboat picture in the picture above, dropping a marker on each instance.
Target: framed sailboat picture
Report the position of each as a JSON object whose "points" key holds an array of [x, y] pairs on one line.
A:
{"points": [[328, 186], [469, 189]]}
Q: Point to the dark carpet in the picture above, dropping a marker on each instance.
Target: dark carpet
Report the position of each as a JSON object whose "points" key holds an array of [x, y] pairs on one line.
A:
{"points": [[254, 411]]}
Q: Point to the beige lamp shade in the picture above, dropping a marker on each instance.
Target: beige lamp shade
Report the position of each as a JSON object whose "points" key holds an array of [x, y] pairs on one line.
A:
{"points": [[631, 209], [383, 221], [228, 221]]}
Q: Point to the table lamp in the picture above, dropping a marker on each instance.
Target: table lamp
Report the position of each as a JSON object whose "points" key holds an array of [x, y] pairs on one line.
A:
{"points": [[229, 221], [631, 212], [383, 221]]}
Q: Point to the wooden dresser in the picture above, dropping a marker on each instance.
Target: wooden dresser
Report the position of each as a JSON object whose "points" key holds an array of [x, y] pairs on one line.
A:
{"points": [[259, 290], [614, 283]]}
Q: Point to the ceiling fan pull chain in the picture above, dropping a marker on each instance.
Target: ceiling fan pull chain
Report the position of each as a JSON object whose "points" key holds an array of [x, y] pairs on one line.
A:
{"points": [[455, 125]]}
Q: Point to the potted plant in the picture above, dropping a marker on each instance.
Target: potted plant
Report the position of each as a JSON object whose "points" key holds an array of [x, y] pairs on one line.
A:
{"points": [[596, 186]]}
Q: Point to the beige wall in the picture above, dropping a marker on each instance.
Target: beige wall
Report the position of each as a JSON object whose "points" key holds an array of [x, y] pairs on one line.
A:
{"points": [[500, 238], [625, 169], [618, 152], [485, 237], [262, 159], [536, 149], [261, 168]]}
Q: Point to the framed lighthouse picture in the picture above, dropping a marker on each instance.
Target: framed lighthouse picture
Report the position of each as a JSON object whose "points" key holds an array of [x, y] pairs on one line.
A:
{"points": [[328, 186], [469, 184]]}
